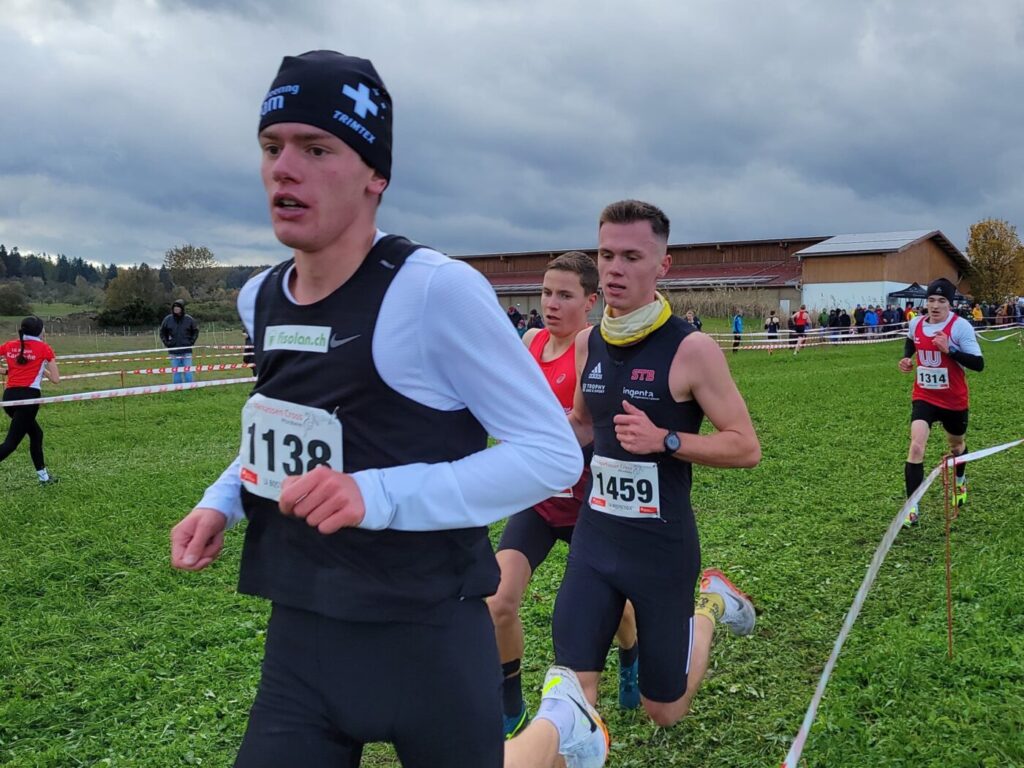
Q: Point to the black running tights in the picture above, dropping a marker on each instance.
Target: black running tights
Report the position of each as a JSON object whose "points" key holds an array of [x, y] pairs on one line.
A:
{"points": [[23, 422]]}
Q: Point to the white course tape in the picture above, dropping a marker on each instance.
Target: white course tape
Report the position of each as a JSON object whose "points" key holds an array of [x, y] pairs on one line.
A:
{"points": [[793, 756], [126, 392], [1011, 335]]}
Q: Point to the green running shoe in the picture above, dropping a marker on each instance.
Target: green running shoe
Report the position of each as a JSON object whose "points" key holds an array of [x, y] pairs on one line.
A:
{"points": [[515, 723]]}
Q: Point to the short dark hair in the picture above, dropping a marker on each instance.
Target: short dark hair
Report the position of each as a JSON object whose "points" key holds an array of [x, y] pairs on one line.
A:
{"points": [[580, 264], [628, 211]]}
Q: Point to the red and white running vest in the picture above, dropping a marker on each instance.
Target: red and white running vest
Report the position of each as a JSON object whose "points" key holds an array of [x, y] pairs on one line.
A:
{"points": [[562, 509], [939, 379]]}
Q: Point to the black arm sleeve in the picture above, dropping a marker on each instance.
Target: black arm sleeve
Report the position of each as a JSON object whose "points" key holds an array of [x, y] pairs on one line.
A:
{"points": [[971, 362], [908, 347]]}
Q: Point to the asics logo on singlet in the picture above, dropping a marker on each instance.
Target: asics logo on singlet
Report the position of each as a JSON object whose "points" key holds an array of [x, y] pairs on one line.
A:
{"points": [[929, 358], [596, 373]]}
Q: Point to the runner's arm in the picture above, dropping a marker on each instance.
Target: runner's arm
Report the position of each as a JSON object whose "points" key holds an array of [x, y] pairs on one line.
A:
{"points": [[579, 419], [734, 442], [965, 348], [51, 371], [469, 353], [225, 495]]}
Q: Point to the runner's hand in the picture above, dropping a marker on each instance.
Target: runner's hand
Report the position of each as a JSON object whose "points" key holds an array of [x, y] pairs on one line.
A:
{"points": [[906, 365], [197, 540], [941, 342], [325, 499], [636, 432]]}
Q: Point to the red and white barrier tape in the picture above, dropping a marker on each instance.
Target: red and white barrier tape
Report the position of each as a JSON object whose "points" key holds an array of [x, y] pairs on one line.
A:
{"points": [[170, 369], [116, 360], [165, 350], [816, 341], [793, 756], [817, 331], [125, 392]]}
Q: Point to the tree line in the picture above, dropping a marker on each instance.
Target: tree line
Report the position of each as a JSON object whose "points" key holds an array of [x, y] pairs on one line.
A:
{"points": [[141, 295], [136, 296]]}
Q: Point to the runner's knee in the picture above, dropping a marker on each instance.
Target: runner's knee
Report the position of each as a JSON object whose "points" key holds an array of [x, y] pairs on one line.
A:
{"points": [[504, 607], [666, 714]]}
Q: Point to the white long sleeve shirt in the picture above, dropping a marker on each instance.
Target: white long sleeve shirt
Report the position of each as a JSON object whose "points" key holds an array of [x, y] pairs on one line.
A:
{"points": [[442, 340]]}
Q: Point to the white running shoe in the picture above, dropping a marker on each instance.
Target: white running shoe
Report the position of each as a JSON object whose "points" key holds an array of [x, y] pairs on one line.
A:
{"points": [[739, 615], [587, 746]]}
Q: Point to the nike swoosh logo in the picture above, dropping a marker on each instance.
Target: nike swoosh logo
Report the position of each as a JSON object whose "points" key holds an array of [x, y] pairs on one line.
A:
{"points": [[336, 342], [583, 709]]}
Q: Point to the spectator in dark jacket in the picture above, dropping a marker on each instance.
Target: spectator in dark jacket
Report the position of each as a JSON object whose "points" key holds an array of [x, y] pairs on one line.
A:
{"points": [[179, 332], [249, 352], [514, 315]]}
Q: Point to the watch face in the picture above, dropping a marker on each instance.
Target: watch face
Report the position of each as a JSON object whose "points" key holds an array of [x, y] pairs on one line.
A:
{"points": [[672, 442]]}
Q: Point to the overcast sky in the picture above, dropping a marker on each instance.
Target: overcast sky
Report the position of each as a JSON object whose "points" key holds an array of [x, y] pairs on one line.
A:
{"points": [[129, 126]]}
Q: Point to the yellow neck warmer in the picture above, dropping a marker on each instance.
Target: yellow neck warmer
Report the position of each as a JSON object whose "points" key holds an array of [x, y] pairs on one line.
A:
{"points": [[639, 324]]}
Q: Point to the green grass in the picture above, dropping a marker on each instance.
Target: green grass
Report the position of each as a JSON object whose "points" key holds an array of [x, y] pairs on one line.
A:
{"points": [[108, 657]]}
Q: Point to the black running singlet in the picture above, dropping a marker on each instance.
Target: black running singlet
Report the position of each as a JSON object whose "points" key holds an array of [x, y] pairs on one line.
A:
{"points": [[649, 492], [319, 357]]}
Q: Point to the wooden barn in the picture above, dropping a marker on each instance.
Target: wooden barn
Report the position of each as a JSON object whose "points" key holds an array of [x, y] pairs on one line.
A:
{"points": [[817, 271]]}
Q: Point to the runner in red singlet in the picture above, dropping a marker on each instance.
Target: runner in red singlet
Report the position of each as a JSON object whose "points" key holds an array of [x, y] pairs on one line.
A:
{"points": [[942, 344], [27, 360], [568, 294], [801, 320]]}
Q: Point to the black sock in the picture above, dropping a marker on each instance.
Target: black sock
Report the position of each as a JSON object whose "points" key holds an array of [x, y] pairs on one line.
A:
{"points": [[913, 474], [961, 469], [627, 656], [511, 688]]}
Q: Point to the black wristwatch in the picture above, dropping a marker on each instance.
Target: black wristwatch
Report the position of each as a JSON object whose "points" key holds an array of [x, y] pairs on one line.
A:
{"points": [[672, 443]]}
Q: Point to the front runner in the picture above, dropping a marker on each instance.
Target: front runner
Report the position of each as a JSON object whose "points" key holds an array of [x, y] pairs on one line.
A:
{"points": [[567, 296], [942, 344], [646, 379], [364, 471]]}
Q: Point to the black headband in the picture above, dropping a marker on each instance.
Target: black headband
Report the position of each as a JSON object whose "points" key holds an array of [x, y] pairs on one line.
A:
{"points": [[340, 94]]}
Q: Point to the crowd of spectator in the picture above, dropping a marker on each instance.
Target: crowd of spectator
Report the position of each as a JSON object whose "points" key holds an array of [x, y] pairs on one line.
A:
{"points": [[522, 323]]}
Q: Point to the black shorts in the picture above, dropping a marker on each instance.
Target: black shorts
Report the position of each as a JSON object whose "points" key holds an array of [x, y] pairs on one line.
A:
{"points": [[954, 422], [329, 687], [800, 330], [531, 534], [602, 573]]}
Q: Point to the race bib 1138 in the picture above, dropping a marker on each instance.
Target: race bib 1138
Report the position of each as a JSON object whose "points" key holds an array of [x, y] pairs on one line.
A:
{"points": [[280, 439]]}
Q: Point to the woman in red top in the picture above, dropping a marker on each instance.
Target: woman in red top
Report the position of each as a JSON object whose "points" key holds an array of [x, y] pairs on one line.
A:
{"points": [[28, 360]]}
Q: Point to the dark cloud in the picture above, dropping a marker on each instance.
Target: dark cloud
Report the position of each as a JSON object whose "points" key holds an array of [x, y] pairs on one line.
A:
{"points": [[134, 124]]}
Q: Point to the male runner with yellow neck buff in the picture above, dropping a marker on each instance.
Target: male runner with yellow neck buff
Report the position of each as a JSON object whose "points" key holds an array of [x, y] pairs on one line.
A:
{"points": [[645, 381]]}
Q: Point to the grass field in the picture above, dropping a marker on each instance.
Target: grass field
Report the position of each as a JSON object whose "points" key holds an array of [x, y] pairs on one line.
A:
{"points": [[110, 658]]}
